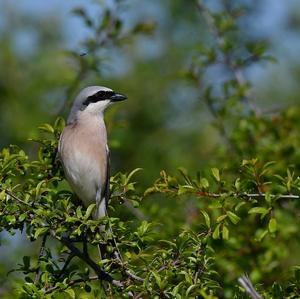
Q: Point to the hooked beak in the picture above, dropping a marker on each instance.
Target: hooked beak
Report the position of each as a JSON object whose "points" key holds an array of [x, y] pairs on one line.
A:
{"points": [[117, 97]]}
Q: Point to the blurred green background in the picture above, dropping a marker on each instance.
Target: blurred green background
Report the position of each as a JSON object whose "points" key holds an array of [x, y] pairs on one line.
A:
{"points": [[164, 124]]}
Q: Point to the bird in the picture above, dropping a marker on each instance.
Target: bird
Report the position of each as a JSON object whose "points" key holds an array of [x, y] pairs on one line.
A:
{"points": [[83, 149]]}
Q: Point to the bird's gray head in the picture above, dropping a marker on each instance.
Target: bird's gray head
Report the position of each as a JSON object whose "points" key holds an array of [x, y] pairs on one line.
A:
{"points": [[93, 100]]}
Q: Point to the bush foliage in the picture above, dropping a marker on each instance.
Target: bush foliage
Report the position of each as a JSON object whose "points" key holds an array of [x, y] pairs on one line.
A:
{"points": [[188, 235]]}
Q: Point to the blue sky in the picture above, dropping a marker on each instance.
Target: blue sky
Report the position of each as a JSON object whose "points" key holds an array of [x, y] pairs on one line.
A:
{"points": [[270, 20]]}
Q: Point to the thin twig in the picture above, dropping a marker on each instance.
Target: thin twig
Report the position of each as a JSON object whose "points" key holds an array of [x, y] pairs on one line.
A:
{"points": [[15, 197], [236, 71], [71, 283], [133, 276], [165, 266], [66, 264], [127, 272], [41, 253], [102, 275], [136, 212], [84, 246], [117, 251], [288, 196], [249, 195]]}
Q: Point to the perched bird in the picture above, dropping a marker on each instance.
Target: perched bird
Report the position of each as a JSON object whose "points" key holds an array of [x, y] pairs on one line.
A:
{"points": [[83, 148]]}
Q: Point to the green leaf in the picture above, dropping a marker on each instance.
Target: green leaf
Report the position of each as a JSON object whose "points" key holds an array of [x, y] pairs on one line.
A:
{"points": [[131, 174], [187, 277], [22, 217], [216, 204], [26, 261], [135, 203], [225, 232], [38, 188], [251, 162], [176, 289], [216, 233], [237, 184], [268, 198], [245, 162], [30, 288], [277, 290], [79, 212], [40, 231], [47, 128], [157, 278], [182, 190], [239, 205], [143, 228], [272, 225], [89, 211], [233, 217], [190, 288], [221, 218], [70, 292], [59, 124], [2, 195], [204, 183], [207, 219], [262, 235], [216, 174], [184, 173], [11, 219], [297, 274], [258, 210], [150, 190]]}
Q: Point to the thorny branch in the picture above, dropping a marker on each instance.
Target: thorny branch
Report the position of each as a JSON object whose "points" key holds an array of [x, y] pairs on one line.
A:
{"points": [[14, 197], [66, 264], [133, 276], [102, 275], [119, 258], [137, 213], [71, 283], [41, 253], [249, 195]]}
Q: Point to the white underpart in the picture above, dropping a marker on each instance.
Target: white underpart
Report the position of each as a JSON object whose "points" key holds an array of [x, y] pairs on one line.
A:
{"points": [[83, 151], [83, 176]]}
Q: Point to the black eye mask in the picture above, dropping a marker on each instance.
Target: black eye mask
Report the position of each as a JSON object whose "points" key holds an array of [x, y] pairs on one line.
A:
{"points": [[98, 96]]}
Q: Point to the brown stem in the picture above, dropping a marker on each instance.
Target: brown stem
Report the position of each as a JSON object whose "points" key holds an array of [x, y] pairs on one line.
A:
{"points": [[248, 195], [41, 253], [15, 197], [71, 283], [102, 275], [67, 262]]}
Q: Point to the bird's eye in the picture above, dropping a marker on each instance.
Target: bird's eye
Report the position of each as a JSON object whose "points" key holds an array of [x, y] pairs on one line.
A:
{"points": [[98, 96], [104, 95], [108, 94]]}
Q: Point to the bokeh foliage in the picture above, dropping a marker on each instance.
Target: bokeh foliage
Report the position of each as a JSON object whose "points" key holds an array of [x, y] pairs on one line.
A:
{"points": [[192, 232]]}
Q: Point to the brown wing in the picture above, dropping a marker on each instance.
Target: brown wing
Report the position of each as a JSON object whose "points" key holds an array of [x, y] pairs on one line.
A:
{"points": [[106, 190]]}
